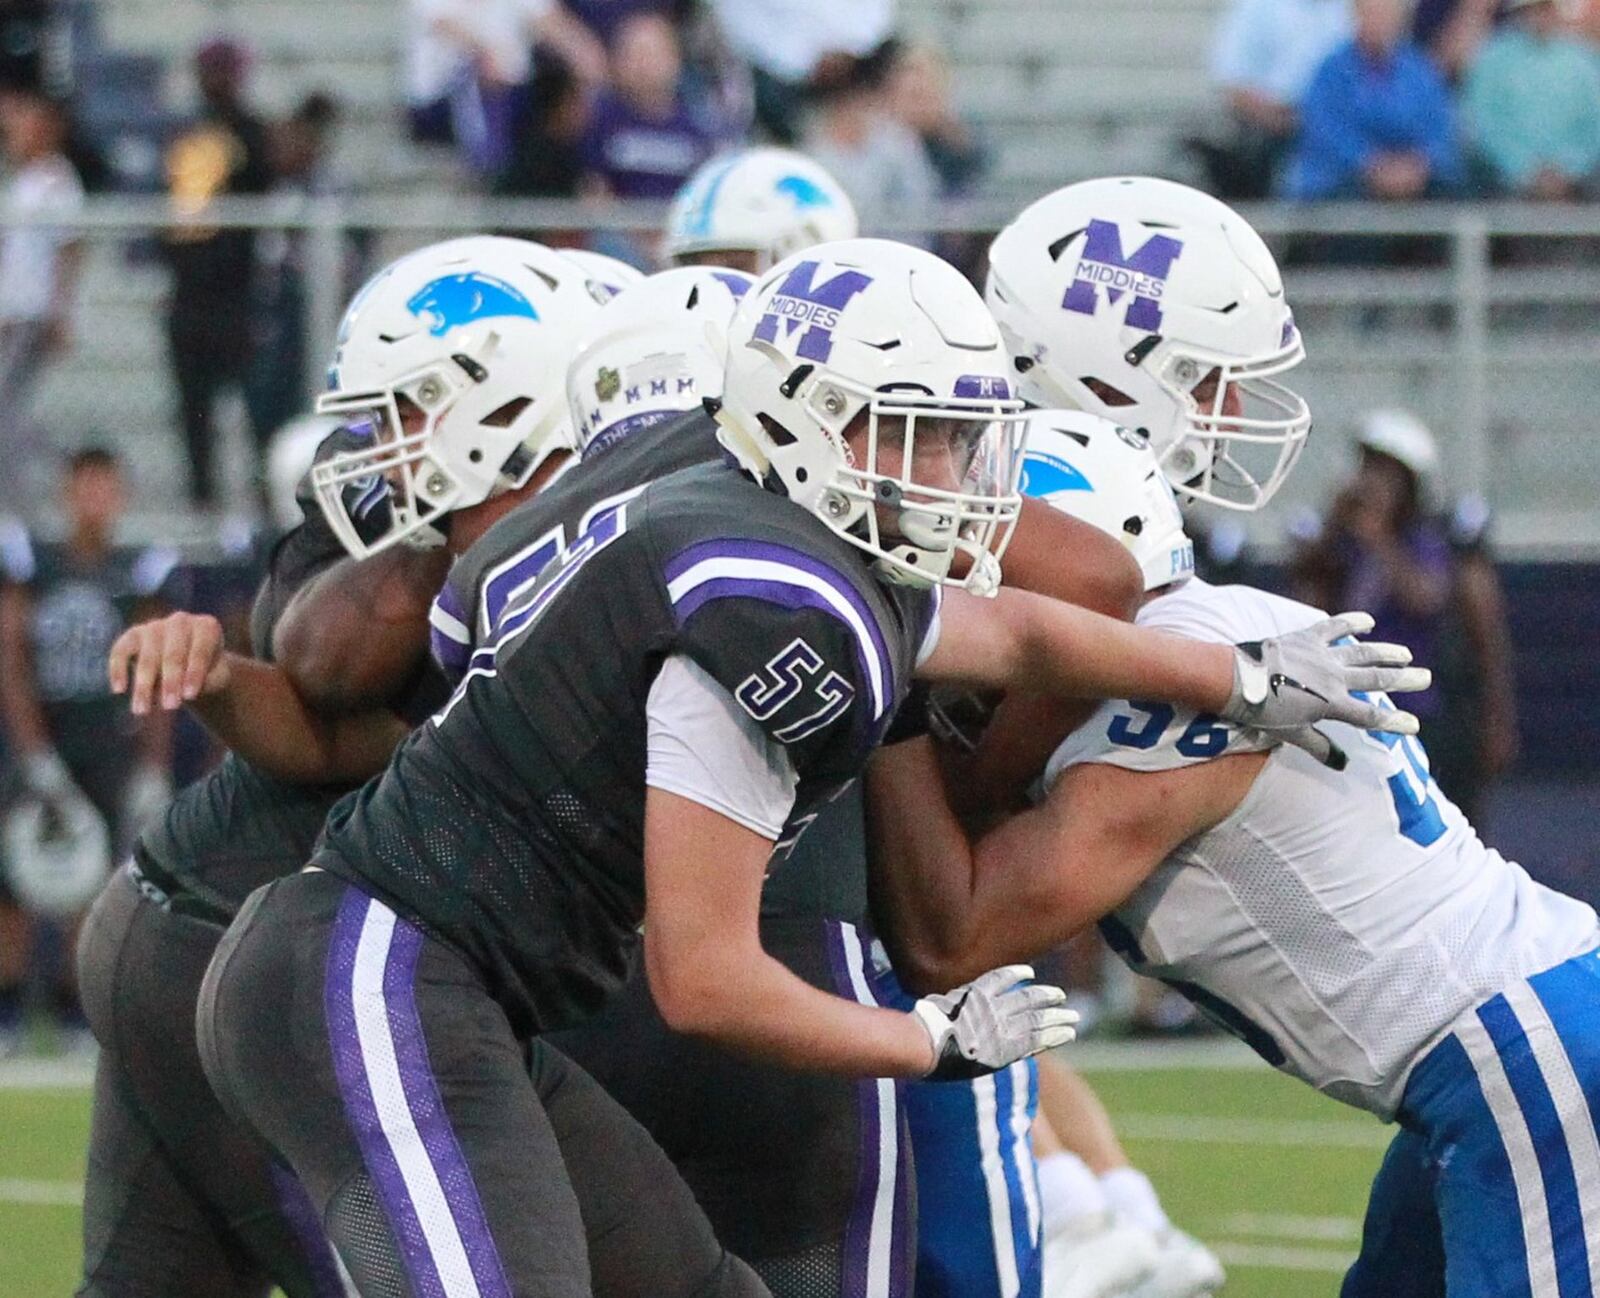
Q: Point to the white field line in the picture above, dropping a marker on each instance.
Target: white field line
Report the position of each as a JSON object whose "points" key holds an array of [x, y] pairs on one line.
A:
{"points": [[31, 1074], [1202, 1130], [1221, 1053], [1284, 1226], [49, 1194], [1272, 1257]]}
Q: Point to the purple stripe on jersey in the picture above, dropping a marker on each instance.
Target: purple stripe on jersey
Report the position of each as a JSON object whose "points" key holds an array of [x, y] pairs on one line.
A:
{"points": [[734, 548], [857, 1249], [448, 600], [451, 655], [306, 1224], [429, 1116], [356, 1093]]}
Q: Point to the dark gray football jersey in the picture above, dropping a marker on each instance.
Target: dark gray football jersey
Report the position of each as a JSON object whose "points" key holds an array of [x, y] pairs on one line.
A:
{"points": [[511, 824], [237, 827], [820, 869]]}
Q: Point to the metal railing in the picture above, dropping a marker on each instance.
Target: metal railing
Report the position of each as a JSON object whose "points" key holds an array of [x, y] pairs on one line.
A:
{"points": [[1500, 349]]}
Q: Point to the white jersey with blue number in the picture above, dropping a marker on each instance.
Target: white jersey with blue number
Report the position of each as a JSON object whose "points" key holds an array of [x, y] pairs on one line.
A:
{"points": [[1338, 921]]}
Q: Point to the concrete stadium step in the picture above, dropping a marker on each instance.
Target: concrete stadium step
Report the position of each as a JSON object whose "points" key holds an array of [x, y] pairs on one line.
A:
{"points": [[1085, 36], [345, 30], [998, 92]]}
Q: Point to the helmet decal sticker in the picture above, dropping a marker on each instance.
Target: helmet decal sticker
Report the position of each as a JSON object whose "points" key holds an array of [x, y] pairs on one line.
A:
{"points": [[457, 300], [1142, 273]]}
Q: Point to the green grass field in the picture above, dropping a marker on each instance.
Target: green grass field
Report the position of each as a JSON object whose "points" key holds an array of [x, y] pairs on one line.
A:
{"points": [[1271, 1175]]}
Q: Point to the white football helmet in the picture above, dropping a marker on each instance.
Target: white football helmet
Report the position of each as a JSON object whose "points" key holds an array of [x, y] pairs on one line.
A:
{"points": [[1125, 296], [1107, 476], [895, 336], [772, 202], [57, 853], [609, 275], [474, 334], [654, 351]]}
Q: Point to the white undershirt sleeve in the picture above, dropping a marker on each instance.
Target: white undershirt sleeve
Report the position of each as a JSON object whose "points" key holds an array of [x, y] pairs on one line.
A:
{"points": [[703, 746]]}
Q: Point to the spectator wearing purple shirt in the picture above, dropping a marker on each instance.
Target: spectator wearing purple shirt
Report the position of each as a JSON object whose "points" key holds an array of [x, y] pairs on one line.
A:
{"points": [[644, 140], [1381, 548]]}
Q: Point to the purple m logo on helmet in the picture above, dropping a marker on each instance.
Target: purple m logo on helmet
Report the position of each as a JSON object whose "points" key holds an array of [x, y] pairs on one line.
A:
{"points": [[1143, 274], [800, 300]]}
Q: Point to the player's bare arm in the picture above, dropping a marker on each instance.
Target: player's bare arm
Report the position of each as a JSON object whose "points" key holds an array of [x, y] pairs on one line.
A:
{"points": [[950, 908], [710, 977], [354, 633], [250, 706]]}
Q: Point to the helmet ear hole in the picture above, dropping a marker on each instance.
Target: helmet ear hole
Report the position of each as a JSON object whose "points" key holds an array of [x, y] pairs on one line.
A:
{"points": [[780, 435], [1108, 395], [506, 415]]}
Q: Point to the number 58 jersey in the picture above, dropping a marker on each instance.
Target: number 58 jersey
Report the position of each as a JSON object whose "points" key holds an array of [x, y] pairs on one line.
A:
{"points": [[1336, 921]]}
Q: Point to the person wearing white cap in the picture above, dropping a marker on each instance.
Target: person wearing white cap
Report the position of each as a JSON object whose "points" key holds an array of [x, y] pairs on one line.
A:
{"points": [[1384, 541]]}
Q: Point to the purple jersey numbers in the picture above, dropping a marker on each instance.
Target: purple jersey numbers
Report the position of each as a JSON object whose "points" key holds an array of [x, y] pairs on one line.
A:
{"points": [[1142, 273], [792, 672], [801, 301]]}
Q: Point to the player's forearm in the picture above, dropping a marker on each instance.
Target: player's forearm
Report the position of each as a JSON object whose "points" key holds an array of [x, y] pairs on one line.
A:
{"points": [[19, 701], [1074, 653], [921, 866], [749, 1003], [260, 717]]}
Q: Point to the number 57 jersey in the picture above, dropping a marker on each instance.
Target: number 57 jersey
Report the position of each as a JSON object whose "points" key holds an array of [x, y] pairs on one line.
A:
{"points": [[1336, 921]]}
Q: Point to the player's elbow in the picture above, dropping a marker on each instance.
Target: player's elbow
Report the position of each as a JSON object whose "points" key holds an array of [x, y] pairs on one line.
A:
{"points": [[689, 993]]}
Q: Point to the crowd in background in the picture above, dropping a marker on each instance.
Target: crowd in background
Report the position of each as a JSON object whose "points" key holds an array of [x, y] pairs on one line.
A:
{"points": [[1404, 100], [624, 99]]}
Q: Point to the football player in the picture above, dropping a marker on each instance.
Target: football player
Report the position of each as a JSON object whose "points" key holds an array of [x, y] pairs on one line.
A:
{"points": [[710, 660], [750, 209], [1355, 932], [178, 1197]]}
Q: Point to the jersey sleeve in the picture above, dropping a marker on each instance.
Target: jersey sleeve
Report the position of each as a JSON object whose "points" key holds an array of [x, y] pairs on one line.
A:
{"points": [[450, 626], [791, 639], [703, 746], [1152, 736]]}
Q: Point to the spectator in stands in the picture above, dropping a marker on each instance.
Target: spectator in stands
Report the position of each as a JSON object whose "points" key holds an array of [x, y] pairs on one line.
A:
{"points": [[278, 379], [24, 36], [785, 41], [1532, 103], [1451, 31], [1263, 58], [603, 17], [546, 156], [209, 314], [643, 139], [878, 160], [919, 95], [38, 270], [1377, 121], [62, 603], [1384, 547], [468, 64]]}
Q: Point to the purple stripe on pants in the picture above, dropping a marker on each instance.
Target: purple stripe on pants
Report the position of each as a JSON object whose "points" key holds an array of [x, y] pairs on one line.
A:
{"points": [[356, 1093], [856, 1252], [429, 1117], [304, 1221]]}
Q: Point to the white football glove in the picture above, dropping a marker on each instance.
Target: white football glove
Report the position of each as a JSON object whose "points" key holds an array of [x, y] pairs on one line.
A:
{"points": [[1292, 681], [993, 1021], [47, 777]]}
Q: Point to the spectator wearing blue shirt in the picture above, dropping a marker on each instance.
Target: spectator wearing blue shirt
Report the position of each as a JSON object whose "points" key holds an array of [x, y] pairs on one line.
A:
{"points": [[1532, 102], [1378, 121]]}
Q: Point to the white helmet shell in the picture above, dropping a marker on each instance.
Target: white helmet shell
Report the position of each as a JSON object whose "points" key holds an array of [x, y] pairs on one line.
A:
{"points": [[608, 275], [654, 351], [880, 329], [57, 854], [772, 202], [474, 333], [1107, 476], [1127, 296]]}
